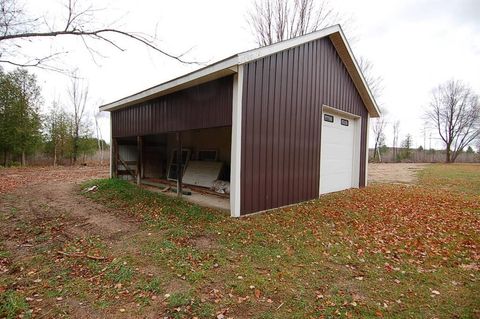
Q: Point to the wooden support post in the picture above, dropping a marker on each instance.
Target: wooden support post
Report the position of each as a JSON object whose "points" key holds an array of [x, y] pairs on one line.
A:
{"points": [[115, 158], [139, 159], [179, 164], [142, 157]]}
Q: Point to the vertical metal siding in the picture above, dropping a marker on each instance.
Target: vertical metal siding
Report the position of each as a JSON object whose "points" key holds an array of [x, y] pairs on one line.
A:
{"points": [[281, 123], [203, 106]]}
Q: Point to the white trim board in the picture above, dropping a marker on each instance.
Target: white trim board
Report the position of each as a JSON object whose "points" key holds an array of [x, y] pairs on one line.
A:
{"points": [[329, 109], [236, 145], [367, 139], [212, 72], [230, 65], [111, 149], [255, 54]]}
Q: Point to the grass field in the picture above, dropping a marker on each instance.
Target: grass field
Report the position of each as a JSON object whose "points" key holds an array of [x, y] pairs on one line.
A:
{"points": [[392, 251], [455, 177]]}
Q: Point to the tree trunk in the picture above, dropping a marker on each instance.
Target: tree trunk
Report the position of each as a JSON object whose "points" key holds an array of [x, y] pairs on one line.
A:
{"points": [[55, 156], [454, 156], [75, 149], [448, 153], [375, 150], [5, 154], [100, 147], [23, 159]]}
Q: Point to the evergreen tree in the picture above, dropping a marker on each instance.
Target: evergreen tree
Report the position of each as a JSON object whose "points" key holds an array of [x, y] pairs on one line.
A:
{"points": [[9, 102], [20, 121], [406, 151], [28, 136]]}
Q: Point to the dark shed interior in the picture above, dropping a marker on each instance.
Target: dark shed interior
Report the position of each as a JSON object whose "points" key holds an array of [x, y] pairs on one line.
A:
{"points": [[157, 151], [197, 120]]}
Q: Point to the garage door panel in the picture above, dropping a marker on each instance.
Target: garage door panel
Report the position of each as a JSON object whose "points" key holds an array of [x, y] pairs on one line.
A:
{"points": [[337, 166], [337, 155]]}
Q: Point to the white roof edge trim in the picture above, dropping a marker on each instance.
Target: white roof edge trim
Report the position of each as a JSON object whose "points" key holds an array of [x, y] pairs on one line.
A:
{"points": [[243, 58], [255, 54], [364, 82], [216, 67]]}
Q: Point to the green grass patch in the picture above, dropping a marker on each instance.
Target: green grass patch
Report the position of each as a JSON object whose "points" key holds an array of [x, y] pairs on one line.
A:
{"points": [[153, 285], [12, 304], [458, 177], [119, 272], [156, 209], [179, 299]]}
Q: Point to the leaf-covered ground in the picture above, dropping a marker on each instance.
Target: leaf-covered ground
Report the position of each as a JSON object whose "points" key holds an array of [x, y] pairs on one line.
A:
{"points": [[392, 251], [17, 177]]}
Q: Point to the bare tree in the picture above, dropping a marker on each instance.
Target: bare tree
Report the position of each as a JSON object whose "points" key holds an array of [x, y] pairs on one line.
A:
{"points": [[396, 132], [374, 81], [98, 132], [272, 21], [379, 134], [276, 20], [455, 113], [78, 94], [17, 27]]}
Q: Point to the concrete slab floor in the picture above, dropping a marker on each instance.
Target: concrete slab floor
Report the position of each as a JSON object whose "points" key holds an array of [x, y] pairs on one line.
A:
{"points": [[201, 199]]}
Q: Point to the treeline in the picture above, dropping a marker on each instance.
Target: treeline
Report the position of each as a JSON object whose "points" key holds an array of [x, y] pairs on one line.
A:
{"points": [[420, 155], [406, 153], [59, 133]]}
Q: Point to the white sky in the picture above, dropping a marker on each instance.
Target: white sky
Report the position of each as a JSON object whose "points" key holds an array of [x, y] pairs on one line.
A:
{"points": [[414, 46]]}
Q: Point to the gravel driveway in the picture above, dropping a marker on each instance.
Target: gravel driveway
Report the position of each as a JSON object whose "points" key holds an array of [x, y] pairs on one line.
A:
{"points": [[405, 173]]}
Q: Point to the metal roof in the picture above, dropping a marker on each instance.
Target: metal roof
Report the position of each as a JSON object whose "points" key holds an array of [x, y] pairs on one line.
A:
{"points": [[230, 65]]}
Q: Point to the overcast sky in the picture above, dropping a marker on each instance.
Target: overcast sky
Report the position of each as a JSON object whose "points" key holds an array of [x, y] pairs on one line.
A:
{"points": [[414, 45]]}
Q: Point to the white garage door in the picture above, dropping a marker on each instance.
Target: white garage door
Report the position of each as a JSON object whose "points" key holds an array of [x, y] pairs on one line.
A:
{"points": [[337, 153]]}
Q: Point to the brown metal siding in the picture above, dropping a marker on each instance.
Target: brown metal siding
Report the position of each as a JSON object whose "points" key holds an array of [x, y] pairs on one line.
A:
{"points": [[202, 106], [281, 123]]}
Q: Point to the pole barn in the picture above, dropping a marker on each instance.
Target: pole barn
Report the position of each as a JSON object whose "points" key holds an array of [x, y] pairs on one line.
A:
{"points": [[266, 128]]}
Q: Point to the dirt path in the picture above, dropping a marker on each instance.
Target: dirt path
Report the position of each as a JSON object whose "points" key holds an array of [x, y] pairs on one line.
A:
{"points": [[50, 193], [46, 203], [13, 178], [42, 215], [404, 173]]}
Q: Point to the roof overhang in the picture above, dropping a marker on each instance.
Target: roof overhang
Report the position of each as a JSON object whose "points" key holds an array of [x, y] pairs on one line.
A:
{"points": [[345, 52], [230, 66], [212, 72]]}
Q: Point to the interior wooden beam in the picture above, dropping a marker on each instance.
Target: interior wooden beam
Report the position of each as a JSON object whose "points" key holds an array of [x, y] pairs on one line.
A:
{"points": [[139, 159], [115, 158], [179, 164]]}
